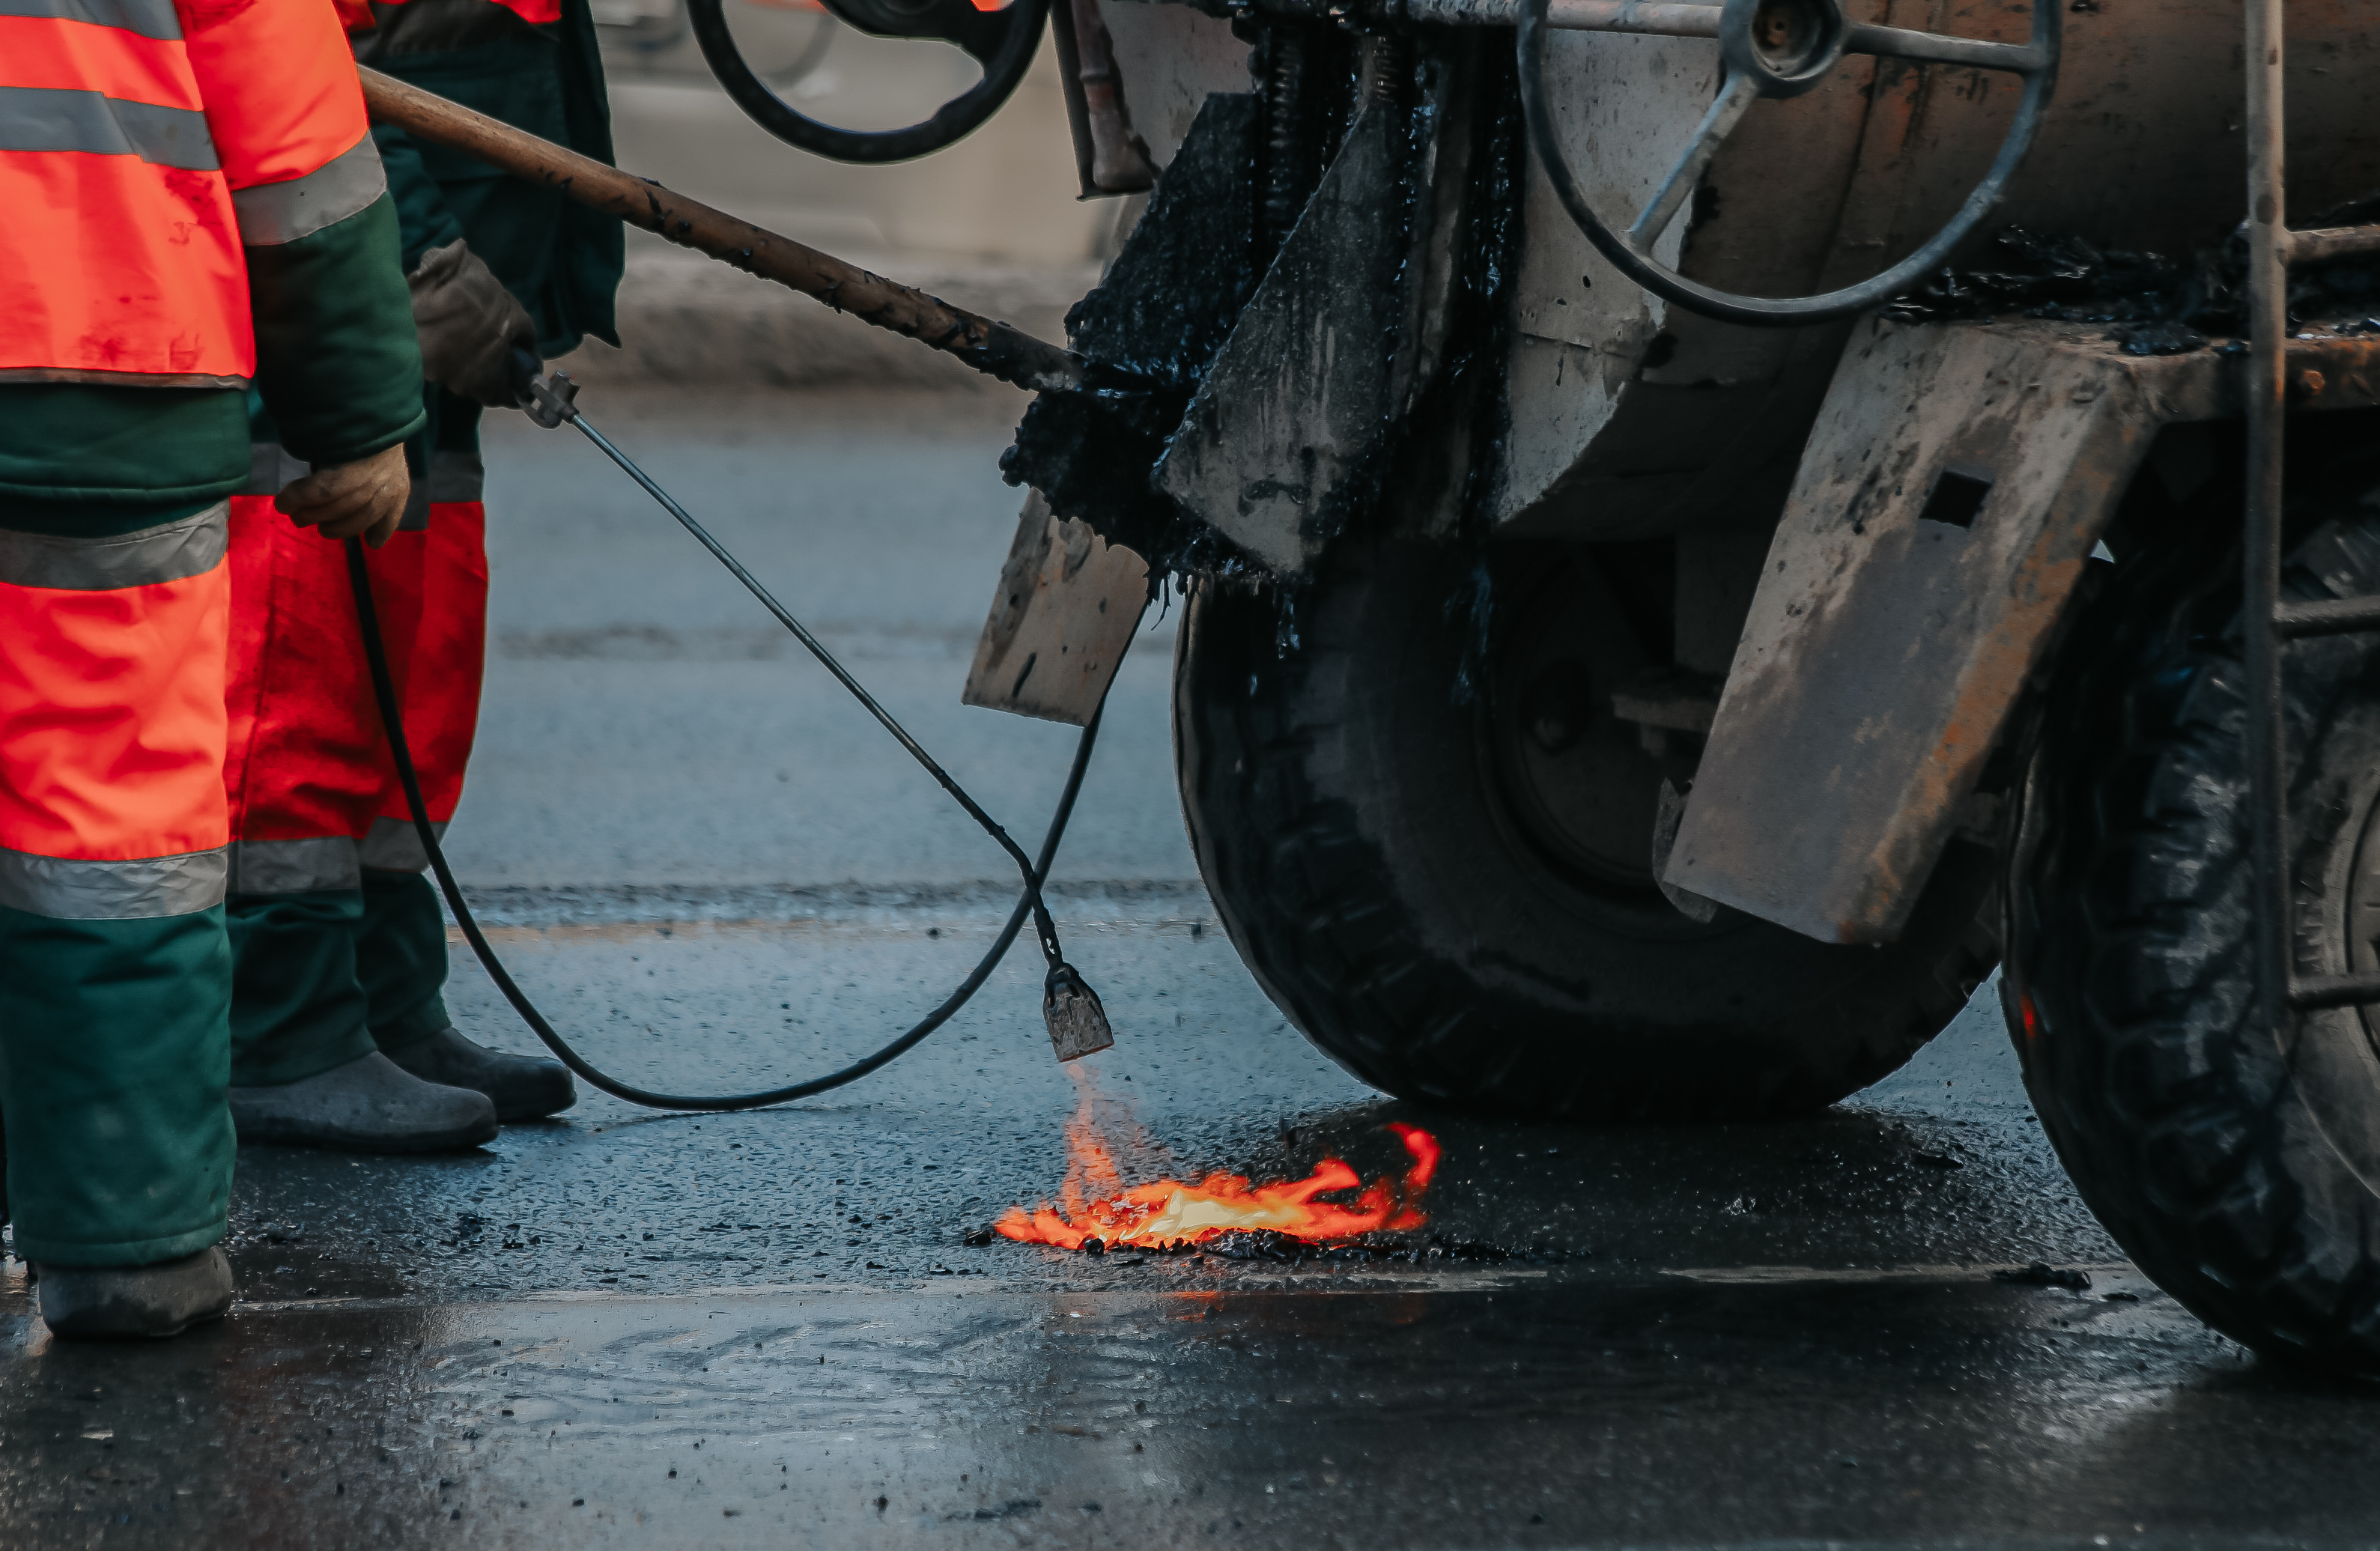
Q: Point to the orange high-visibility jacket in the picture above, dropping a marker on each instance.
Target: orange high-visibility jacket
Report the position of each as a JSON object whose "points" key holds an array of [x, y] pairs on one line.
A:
{"points": [[143, 144]]}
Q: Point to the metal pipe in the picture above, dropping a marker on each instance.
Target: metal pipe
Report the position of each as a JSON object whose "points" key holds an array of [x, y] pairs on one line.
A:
{"points": [[2315, 992], [2327, 616], [2332, 242], [1735, 100], [1120, 161], [1575, 16], [1900, 42], [1687, 20], [994, 348], [2268, 244]]}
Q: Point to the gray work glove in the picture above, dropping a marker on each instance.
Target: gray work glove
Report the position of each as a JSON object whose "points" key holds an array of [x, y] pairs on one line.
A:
{"points": [[469, 326], [365, 498]]}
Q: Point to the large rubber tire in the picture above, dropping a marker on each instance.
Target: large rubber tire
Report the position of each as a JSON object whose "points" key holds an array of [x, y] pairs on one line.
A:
{"points": [[2239, 1165], [1350, 829]]}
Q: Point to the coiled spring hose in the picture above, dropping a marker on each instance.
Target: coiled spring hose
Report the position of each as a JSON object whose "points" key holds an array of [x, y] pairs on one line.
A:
{"points": [[551, 405]]}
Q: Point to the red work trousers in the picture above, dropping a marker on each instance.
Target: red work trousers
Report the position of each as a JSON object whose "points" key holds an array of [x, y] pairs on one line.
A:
{"points": [[314, 793]]}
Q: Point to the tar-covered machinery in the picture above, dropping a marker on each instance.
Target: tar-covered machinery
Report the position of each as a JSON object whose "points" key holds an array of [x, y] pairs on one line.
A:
{"points": [[1628, 672]]}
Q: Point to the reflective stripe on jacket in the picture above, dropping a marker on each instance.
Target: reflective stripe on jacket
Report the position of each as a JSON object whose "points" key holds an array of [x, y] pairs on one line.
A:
{"points": [[144, 145]]}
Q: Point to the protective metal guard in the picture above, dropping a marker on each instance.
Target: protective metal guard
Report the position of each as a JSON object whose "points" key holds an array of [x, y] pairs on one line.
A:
{"points": [[1274, 451], [1957, 481], [1060, 622]]}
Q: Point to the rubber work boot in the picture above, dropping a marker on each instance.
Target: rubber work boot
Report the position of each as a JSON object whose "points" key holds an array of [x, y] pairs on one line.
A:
{"points": [[161, 1300], [521, 1088], [370, 1105]]}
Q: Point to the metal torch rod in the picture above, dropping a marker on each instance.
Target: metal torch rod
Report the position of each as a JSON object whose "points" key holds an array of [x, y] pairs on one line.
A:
{"points": [[994, 348]]}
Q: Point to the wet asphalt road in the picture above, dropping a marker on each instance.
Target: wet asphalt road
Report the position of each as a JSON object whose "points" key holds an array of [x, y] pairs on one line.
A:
{"points": [[635, 1328]]}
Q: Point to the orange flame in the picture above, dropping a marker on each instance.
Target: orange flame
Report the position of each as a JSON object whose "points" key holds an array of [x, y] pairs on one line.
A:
{"points": [[1169, 1214]]}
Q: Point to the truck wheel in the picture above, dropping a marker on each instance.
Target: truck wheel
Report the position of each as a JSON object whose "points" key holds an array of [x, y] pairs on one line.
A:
{"points": [[2237, 1165], [1448, 885]]}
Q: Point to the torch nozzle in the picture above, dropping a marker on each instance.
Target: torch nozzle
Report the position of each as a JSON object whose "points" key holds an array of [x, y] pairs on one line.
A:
{"points": [[1079, 1025]]}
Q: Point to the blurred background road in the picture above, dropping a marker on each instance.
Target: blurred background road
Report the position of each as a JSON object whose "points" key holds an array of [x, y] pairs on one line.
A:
{"points": [[992, 224]]}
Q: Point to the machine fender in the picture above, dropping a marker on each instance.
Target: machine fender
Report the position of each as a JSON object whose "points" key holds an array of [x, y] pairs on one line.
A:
{"points": [[1955, 485], [1282, 440], [1062, 621]]}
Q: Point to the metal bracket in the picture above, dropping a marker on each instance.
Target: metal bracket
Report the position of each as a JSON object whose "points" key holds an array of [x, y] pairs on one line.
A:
{"points": [[1062, 622], [552, 400]]}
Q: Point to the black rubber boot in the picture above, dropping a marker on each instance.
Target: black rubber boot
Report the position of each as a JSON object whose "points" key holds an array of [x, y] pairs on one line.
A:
{"points": [[162, 1300], [521, 1088], [370, 1105]]}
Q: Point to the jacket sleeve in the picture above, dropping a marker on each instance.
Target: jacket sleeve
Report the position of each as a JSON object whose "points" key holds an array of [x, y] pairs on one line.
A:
{"points": [[336, 357], [423, 220]]}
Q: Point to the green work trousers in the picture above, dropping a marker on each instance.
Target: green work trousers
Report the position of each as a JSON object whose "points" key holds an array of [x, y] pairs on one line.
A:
{"points": [[329, 976], [117, 1145]]}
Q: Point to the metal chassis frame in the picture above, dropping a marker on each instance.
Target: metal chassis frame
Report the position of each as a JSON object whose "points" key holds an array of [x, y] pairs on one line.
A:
{"points": [[2270, 622]]}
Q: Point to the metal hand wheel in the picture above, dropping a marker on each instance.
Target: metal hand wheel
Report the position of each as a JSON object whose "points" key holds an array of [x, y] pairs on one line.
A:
{"points": [[1778, 48], [1001, 41]]}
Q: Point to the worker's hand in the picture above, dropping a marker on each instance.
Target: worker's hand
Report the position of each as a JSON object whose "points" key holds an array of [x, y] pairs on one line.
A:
{"points": [[365, 497], [470, 325]]}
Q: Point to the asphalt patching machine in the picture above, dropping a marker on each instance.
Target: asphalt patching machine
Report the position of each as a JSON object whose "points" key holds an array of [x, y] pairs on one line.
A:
{"points": [[1675, 590]]}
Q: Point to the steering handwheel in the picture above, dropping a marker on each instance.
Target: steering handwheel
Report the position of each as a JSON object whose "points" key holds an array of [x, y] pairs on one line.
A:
{"points": [[1782, 48], [1002, 41]]}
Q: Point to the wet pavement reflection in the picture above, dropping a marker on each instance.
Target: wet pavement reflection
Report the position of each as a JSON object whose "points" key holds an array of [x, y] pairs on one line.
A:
{"points": [[1724, 1336], [1511, 1409]]}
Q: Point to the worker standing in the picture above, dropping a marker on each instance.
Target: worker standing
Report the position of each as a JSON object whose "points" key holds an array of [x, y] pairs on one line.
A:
{"points": [[195, 205], [341, 1036]]}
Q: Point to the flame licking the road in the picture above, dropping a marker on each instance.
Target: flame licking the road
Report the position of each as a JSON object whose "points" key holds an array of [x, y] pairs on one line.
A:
{"points": [[1095, 1204]]}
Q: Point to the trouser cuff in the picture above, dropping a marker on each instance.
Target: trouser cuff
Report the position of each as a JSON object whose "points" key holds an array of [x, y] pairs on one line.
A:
{"points": [[303, 1054], [113, 1051], [122, 1253], [297, 1009], [401, 957], [413, 1026]]}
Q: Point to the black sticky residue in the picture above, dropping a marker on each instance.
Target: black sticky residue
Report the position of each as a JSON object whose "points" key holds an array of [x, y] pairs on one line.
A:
{"points": [[1374, 1249], [1363, 488], [1463, 413], [1474, 382], [1156, 324], [2158, 306], [1153, 325]]}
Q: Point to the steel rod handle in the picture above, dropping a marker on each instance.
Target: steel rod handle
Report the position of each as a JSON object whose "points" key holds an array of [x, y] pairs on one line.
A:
{"points": [[994, 348]]}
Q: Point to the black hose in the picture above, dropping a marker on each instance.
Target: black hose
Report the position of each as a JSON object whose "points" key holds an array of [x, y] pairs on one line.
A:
{"points": [[1036, 871], [1042, 924]]}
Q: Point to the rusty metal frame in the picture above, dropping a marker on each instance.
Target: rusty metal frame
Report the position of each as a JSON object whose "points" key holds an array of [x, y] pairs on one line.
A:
{"points": [[2271, 623]]}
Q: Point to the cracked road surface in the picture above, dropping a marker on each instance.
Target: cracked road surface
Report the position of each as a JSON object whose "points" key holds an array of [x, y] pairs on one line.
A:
{"points": [[635, 1328]]}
